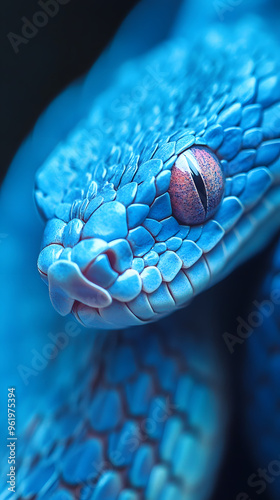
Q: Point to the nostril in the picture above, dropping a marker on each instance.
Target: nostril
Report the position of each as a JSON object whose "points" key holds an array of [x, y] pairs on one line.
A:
{"points": [[100, 271], [120, 255], [112, 258]]}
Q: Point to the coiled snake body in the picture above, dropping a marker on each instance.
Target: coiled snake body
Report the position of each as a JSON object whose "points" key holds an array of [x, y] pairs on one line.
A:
{"points": [[170, 183]]}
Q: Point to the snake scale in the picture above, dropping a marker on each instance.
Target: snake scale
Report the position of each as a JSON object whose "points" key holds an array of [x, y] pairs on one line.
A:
{"points": [[166, 186]]}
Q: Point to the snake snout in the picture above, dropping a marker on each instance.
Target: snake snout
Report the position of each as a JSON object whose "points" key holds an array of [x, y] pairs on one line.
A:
{"points": [[93, 273]]}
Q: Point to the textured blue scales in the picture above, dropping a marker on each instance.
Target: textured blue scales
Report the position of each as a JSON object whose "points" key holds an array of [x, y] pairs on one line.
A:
{"points": [[62, 211], [146, 191], [108, 192], [158, 411], [142, 466], [243, 162], [167, 374], [153, 226], [48, 179], [198, 275], [172, 433], [148, 169], [158, 479], [169, 227], [229, 212], [169, 265], [271, 122], [160, 247], [252, 138], [268, 152], [72, 233], [141, 307], [81, 461], [86, 251], [214, 136], [61, 495], [138, 264], [43, 475], [127, 286], [166, 151], [269, 91], [108, 222], [118, 315], [232, 142], [148, 152], [136, 214], [211, 235], [194, 233], [169, 163], [140, 240], [121, 450], [162, 182], [47, 256], [128, 495], [190, 452], [93, 205], [161, 300], [230, 117], [151, 258], [139, 394], [259, 180], [128, 173], [151, 278], [53, 232], [108, 487], [185, 142], [181, 289], [105, 410], [161, 208], [245, 91], [73, 194], [189, 253], [173, 243], [127, 193]]}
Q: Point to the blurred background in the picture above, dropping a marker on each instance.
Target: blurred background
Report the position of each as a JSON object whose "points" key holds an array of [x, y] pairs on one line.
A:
{"points": [[33, 73]]}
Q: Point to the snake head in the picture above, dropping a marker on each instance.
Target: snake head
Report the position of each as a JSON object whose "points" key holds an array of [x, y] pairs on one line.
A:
{"points": [[156, 197]]}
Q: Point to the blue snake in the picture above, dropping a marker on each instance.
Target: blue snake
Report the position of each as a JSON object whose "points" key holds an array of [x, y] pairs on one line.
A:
{"points": [[165, 184]]}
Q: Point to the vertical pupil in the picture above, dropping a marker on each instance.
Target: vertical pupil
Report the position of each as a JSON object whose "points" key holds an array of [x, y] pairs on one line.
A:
{"points": [[199, 184]]}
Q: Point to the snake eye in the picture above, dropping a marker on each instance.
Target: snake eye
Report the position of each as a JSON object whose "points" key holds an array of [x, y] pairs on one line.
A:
{"points": [[196, 186]]}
